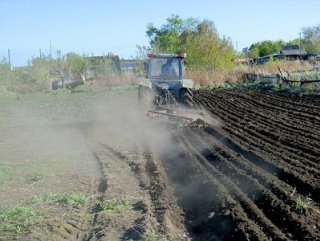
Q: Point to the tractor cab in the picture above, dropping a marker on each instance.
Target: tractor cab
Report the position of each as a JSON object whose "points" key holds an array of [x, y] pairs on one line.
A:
{"points": [[165, 66], [165, 73]]}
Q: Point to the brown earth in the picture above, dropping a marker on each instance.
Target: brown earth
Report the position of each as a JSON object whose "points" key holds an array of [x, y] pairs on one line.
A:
{"points": [[251, 174]]}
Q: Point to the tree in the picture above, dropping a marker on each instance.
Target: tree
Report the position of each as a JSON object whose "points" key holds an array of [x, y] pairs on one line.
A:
{"points": [[205, 49], [264, 48], [68, 65], [311, 38], [245, 51], [200, 40], [40, 68], [141, 56], [60, 67], [141, 53], [79, 64], [268, 47], [6, 74], [167, 38]]}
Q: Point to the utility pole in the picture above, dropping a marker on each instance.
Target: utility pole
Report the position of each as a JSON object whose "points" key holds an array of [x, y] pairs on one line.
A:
{"points": [[300, 44], [50, 50], [9, 58]]}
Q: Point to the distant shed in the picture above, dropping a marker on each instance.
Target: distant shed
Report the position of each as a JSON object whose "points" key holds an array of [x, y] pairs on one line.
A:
{"points": [[129, 64], [293, 50]]}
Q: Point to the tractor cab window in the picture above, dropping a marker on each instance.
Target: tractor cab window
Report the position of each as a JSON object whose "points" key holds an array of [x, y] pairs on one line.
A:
{"points": [[165, 68]]}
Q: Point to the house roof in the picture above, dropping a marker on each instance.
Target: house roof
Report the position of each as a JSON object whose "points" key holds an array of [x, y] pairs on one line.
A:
{"points": [[292, 50]]}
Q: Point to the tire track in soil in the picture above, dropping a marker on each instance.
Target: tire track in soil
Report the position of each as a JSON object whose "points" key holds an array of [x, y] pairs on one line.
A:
{"points": [[100, 228], [86, 222], [79, 222], [158, 209], [75, 220], [164, 208]]}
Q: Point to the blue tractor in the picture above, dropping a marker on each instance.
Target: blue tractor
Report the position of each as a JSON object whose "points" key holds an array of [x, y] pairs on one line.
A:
{"points": [[165, 87]]}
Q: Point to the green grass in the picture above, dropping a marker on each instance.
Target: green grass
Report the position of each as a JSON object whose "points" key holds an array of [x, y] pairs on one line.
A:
{"points": [[303, 74], [81, 89], [63, 99], [62, 198], [302, 204], [126, 89], [113, 205], [150, 236], [5, 94], [25, 172], [16, 220], [36, 178], [10, 174]]}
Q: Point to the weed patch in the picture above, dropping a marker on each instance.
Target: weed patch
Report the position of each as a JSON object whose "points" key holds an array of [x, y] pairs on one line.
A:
{"points": [[16, 220], [36, 178], [9, 174], [150, 236], [302, 204], [62, 198], [113, 205], [81, 88]]}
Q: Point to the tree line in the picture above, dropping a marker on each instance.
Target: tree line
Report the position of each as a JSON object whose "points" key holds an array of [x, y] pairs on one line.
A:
{"points": [[309, 41], [206, 50]]}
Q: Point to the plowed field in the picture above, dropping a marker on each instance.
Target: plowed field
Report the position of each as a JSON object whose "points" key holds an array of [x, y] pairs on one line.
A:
{"points": [[251, 174]]}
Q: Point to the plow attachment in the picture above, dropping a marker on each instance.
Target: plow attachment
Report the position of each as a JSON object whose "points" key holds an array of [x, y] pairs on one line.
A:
{"points": [[179, 116]]}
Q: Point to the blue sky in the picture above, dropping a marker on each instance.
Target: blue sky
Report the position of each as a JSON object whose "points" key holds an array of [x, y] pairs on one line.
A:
{"points": [[101, 26]]}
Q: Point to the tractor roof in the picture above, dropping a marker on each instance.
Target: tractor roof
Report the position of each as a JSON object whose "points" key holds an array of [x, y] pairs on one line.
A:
{"points": [[151, 55]]}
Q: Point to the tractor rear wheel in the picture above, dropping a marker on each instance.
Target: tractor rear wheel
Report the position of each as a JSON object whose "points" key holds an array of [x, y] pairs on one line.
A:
{"points": [[144, 96], [186, 97]]}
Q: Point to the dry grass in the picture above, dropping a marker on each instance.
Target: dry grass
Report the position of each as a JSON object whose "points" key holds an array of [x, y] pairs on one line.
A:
{"points": [[208, 78], [201, 78], [216, 77], [236, 74], [113, 79]]}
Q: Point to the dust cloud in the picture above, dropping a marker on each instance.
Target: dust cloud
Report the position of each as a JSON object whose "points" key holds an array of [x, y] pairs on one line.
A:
{"points": [[125, 118], [69, 132], [113, 119], [66, 134], [37, 135]]}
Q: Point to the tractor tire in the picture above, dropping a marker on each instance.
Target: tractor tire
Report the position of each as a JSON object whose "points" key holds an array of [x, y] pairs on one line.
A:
{"points": [[144, 96], [186, 97]]}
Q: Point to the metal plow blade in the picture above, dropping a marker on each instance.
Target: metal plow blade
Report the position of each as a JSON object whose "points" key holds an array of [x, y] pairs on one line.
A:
{"points": [[180, 116]]}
